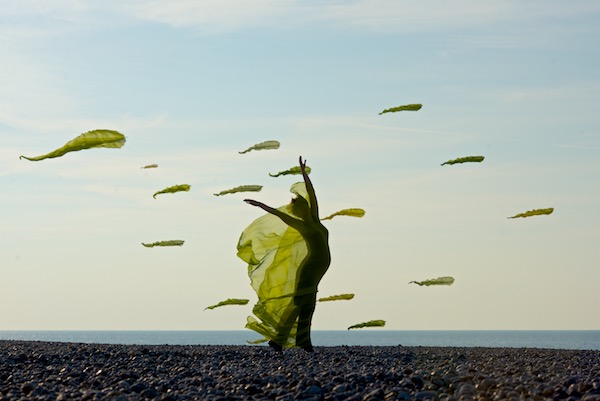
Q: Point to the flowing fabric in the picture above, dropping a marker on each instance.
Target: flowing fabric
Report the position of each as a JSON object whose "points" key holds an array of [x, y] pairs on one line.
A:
{"points": [[274, 252]]}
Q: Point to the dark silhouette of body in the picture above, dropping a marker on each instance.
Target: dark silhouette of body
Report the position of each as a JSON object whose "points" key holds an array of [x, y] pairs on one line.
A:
{"points": [[311, 269]]}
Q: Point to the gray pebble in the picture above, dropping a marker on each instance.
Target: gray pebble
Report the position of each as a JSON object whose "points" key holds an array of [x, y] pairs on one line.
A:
{"points": [[313, 390], [374, 395], [92, 372], [427, 396]]}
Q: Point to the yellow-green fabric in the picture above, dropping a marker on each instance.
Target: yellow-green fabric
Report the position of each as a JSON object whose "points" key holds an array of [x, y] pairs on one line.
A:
{"points": [[274, 252]]}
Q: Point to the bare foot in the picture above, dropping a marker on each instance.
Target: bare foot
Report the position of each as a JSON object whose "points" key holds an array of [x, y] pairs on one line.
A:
{"points": [[275, 346], [308, 348]]}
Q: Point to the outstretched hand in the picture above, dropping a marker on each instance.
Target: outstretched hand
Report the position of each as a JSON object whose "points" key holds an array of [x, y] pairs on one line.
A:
{"points": [[302, 164], [252, 202], [262, 206]]}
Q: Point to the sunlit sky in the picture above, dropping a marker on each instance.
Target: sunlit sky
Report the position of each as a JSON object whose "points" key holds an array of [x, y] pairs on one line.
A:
{"points": [[191, 83]]}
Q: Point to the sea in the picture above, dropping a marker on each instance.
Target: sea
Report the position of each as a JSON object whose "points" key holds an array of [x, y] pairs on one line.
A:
{"points": [[554, 339]]}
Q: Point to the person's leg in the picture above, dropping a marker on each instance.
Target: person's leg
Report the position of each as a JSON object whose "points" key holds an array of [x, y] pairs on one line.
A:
{"points": [[287, 322], [307, 309]]}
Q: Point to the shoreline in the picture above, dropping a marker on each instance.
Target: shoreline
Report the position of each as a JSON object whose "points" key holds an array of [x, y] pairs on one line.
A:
{"points": [[554, 339], [39, 370]]}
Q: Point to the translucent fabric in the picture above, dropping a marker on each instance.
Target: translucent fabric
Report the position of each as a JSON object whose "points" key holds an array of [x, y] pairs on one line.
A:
{"points": [[274, 252]]}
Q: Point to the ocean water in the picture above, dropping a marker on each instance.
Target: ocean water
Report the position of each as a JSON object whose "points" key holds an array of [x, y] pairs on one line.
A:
{"points": [[555, 339]]}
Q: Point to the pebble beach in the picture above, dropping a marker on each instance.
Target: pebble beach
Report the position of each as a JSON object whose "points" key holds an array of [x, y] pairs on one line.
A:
{"points": [[31, 370]]}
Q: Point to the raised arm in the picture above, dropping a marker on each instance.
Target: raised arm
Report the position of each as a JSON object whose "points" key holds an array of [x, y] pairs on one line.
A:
{"points": [[286, 218], [312, 198]]}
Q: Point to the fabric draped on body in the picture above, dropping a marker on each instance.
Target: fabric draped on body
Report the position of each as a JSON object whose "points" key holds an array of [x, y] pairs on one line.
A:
{"points": [[274, 252]]}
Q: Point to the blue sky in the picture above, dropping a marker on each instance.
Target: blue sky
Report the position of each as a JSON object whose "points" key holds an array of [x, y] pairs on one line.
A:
{"points": [[191, 83]]}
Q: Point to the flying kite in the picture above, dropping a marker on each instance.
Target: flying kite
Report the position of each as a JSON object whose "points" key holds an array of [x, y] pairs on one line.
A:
{"points": [[173, 189], [229, 301], [173, 242], [241, 188], [353, 212], [406, 107], [292, 171], [101, 138], [262, 146], [435, 281], [370, 323], [467, 159], [340, 297], [283, 271], [534, 212], [150, 166]]}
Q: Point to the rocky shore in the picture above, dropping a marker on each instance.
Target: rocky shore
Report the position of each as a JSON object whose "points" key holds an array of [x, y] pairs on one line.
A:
{"points": [[67, 371]]}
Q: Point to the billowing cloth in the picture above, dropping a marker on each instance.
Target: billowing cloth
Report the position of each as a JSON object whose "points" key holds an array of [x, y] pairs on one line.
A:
{"points": [[274, 252]]}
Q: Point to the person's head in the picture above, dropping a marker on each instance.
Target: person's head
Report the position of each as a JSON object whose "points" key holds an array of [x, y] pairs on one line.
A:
{"points": [[300, 208]]}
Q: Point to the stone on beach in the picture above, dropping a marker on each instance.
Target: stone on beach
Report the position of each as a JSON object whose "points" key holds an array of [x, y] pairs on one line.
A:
{"points": [[66, 371]]}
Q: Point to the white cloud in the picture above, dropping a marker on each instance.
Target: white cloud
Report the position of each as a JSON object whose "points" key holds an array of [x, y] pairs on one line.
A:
{"points": [[29, 91], [212, 16], [586, 92], [389, 16], [395, 16], [36, 7], [222, 16]]}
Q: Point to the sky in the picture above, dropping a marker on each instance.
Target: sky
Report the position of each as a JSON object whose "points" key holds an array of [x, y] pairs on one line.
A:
{"points": [[192, 83]]}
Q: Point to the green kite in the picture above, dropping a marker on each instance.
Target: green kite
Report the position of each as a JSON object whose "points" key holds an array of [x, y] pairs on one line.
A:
{"points": [[353, 212], [262, 146], [173, 242], [101, 138], [173, 189], [229, 301], [435, 281], [406, 107], [467, 159], [241, 188], [534, 212], [292, 171], [370, 323], [339, 297]]}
